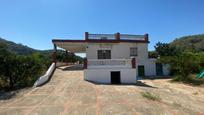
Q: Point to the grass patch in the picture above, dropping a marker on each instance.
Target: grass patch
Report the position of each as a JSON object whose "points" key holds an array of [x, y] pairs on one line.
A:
{"points": [[151, 96]]}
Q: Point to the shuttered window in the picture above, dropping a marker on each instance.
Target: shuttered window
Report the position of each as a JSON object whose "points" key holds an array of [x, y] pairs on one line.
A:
{"points": [[104, 54]]}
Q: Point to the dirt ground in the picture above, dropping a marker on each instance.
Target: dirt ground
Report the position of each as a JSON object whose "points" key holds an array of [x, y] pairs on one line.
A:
{"points": [[67, 93]]}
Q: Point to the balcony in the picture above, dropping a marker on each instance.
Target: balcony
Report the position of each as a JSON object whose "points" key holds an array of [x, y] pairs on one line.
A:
{"points": [[109, 63]]}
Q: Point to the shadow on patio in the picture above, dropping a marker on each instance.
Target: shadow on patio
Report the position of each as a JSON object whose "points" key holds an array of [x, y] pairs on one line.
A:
{"points": [[78, 67], [139, 83]]}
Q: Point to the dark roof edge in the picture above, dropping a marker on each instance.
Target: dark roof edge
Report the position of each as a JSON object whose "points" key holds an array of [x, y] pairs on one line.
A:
{"points": [[101, 41]]}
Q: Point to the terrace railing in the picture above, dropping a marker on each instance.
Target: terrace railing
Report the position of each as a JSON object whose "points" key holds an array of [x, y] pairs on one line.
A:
{"points": [[116, 36], [110, 63], [101, 37], [131, 37]]}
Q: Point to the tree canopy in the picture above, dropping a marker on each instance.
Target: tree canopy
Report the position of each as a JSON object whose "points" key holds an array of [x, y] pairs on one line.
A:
{"points": [[184, 55]]}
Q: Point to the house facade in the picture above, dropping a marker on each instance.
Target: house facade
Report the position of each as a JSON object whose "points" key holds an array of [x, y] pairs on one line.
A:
{"points": [[114, 58]]}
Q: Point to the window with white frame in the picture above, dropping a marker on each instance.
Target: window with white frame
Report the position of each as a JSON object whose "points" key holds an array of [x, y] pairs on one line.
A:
{"points": [[133, 51]]}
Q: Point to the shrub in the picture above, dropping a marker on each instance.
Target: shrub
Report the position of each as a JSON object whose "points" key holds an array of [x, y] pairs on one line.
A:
{"points": [[183, 64], [19, 71], [151, 96]]}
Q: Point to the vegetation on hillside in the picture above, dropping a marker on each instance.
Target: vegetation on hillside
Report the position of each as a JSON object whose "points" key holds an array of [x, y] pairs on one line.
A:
{"points": [[21, 66], [184, 60], [21, 49], [18, 71], [193, 43], [17, 48]]}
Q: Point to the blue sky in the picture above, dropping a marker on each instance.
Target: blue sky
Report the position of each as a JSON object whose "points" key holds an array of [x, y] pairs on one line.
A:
{"points": [[36, 22]]}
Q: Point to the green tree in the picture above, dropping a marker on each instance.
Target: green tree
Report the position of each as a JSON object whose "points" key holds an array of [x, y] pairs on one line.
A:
{"points": [[2, 69], [164, 49], [152, 54], [182, 65], [201, 60], [17, 70]]}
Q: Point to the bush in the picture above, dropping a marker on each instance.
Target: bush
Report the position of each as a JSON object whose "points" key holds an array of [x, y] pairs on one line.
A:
{"points": [[183, 64], [19, 71]]}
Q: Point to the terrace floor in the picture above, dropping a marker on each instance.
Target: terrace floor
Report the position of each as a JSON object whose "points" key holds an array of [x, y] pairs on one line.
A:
{"points": [[67, 93]]}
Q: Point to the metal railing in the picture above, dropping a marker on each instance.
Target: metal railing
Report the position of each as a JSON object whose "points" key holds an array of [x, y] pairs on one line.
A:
{"points": [[131, 37], [102, 37], [113, 37]]}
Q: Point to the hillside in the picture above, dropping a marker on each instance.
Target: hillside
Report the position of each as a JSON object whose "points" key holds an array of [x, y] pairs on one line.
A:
{"points": [[21, 49], [18, 48], [190, 43]]}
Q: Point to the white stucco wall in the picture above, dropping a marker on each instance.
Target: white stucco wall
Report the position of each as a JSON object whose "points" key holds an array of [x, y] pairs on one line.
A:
{"points": [[122, 51], [118, 50], [104, 75], [149, 66]]}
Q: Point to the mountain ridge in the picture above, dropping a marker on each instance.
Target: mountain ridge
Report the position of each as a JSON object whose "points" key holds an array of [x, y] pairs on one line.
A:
{"points": [[190, 43], [21, 49]]}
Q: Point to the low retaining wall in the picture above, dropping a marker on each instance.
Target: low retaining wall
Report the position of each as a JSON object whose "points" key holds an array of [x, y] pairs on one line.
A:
{"points": [[45, 78]]}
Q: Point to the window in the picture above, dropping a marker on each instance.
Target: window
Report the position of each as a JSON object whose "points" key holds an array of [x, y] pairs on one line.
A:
{"points": [[133, 51], [104, 54]]}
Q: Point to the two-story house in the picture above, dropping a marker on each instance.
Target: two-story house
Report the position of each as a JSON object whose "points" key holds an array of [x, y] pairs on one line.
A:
{"points": [[114, 58]]}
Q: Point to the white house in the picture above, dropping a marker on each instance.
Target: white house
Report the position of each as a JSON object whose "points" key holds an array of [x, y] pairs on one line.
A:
{"points": [[114, 58]]}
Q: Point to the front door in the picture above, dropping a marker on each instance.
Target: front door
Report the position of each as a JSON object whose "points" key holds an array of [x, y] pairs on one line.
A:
{"points": [[115, 77], [141, 71], [159, 69]]}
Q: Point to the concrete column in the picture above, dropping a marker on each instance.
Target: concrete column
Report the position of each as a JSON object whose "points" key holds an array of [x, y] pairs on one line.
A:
{"points": [[54, 54], [66, 54], [85, 63]]}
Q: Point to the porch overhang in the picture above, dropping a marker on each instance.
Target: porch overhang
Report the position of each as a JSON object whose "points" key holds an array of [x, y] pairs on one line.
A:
{"points": [[75, 46]]}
